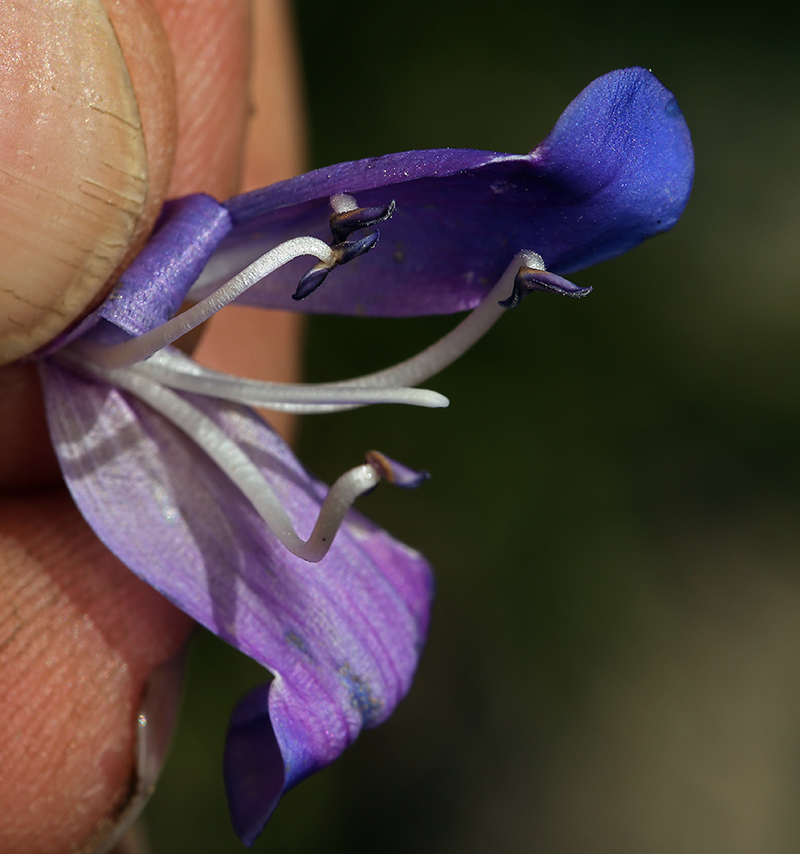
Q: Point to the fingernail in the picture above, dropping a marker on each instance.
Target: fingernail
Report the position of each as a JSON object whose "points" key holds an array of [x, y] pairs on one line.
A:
{"points": [[73, 164], [156, 721]]}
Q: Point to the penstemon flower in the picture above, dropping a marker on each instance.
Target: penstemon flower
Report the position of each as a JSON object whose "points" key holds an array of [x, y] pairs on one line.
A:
{"points": [[201, 499]]}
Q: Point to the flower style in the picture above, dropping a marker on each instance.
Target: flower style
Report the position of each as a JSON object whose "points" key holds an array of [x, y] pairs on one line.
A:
{"points": [[201, 499]]}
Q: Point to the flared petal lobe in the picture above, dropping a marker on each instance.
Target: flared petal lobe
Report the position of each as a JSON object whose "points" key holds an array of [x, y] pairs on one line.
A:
{"points": [[638, 187], [616, 169], [343, 636]]}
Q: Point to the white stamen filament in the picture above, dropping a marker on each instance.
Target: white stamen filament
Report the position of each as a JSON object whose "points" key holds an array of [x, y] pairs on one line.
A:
{"points": [[452, 346], [140, 348], [391, 385], [233, 461], [173, 369], [143, 368]]}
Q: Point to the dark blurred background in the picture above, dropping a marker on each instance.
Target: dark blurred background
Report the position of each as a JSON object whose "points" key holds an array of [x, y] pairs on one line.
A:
{"points": [[614, 663]]}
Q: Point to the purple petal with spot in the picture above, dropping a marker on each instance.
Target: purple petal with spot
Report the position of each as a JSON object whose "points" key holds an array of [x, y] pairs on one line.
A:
{"points": [[616, 169], [342, 637]]}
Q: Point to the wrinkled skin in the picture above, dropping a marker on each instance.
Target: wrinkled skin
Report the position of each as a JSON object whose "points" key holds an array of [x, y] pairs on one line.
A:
{"points": [[79, 633]]}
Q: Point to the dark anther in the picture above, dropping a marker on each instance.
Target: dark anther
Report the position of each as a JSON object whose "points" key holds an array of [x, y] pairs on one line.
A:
{"points": [[353, 248], [344, 224], [311, 281], [530, 279], [343, 252]]}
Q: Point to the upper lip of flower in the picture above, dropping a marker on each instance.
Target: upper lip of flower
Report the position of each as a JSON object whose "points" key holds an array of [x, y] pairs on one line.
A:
{"points": [[343, 638]]}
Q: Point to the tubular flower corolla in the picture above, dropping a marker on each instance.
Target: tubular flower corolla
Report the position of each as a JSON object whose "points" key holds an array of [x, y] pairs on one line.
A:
{"points": [[201, 499]]}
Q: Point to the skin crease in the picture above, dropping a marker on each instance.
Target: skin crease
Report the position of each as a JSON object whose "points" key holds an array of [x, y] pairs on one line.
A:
{"points": [[79, 633]]}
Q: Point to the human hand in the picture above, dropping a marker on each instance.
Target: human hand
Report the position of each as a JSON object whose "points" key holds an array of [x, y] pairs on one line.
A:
{"points": [[79, 634]]}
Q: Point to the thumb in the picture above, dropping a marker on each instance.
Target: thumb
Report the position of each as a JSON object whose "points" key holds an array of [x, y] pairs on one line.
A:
{"points": [[77, 188]]}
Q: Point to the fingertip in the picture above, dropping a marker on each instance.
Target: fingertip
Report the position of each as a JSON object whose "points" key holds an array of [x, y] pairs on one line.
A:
{"points": [[79, 637], [275, 142], [210, 44]]}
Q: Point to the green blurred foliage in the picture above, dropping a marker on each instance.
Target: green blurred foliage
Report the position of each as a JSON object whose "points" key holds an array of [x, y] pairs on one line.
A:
{"points": [[614, 663]]}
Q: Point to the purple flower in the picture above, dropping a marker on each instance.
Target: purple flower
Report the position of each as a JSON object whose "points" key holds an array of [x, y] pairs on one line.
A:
{"points": [[202, 500]]}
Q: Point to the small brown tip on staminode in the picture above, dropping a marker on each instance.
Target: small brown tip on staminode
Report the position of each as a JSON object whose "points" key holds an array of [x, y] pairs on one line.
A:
{"points": [[382, 464]]}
